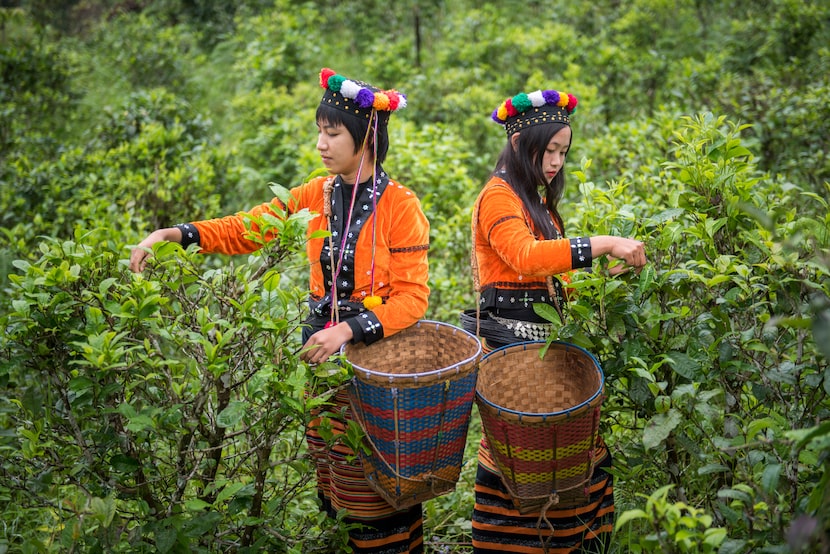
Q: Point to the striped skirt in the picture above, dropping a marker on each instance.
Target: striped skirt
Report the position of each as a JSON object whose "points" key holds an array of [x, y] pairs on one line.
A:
{"points": [[499, 527], [341, 484]]}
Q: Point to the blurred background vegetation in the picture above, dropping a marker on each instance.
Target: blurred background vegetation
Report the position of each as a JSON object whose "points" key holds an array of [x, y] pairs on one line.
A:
{"points": [[702, 129]]}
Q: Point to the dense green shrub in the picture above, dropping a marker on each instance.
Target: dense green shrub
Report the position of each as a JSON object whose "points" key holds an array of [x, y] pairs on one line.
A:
{"points": [[157, 413], [137, 62], [154, 155], [274, 141], [36, 91], [704, 347]]}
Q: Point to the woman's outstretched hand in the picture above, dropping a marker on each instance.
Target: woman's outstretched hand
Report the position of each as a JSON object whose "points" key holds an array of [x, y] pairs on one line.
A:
{"points": [[631, 252], [325, 343], [141, 253]]}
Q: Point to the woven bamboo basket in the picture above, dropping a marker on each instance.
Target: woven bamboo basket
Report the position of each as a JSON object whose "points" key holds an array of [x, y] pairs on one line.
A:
{"points": [[412, 393], [540, 417]]}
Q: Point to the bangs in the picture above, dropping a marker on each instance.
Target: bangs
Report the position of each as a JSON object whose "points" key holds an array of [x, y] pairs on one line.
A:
{"points": [[331, 116]]}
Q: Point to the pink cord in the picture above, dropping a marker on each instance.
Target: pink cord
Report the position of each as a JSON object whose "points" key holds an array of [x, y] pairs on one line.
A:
{"points": [[339, 266], [374, 206]]}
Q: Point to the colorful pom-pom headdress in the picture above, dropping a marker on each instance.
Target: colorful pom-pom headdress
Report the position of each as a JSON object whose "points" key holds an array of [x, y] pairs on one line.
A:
{"points": [[534, 108], [358, 98]]}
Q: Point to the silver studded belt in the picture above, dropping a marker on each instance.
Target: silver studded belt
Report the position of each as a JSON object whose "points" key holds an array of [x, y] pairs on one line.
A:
{"points": [[525, 330]]}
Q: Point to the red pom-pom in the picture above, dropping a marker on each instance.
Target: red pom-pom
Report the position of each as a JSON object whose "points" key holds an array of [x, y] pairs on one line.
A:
{"points": [[325, 73], [394, 100], [572, 101], [329, 324], [511, 111]]}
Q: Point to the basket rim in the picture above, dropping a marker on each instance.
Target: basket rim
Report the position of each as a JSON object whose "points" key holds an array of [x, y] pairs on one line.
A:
{"points": [[543, 415], [450, 368]]}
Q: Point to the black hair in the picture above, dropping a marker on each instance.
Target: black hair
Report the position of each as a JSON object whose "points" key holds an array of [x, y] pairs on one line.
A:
{"points": [[357, 128], [522, 168]]}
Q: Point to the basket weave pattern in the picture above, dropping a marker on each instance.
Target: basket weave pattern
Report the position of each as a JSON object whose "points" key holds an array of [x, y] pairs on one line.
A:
{"points": [[412, 394], [541, 419]]}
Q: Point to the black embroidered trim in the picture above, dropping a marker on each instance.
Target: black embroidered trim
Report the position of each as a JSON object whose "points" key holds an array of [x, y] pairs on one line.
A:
{"points": [[364, 208], [321, 306], [418, 248], [510, 285], [366, 327], [493, 297], [581, 255], [190, 234], [499, 222]]}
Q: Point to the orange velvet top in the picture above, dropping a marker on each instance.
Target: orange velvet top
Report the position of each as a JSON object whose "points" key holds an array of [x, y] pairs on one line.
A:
{"points": [[400, 252], [512, 260]]}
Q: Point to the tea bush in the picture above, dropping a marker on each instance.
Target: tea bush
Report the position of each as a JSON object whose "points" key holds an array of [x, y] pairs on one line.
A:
{"points": [[165, 411]]}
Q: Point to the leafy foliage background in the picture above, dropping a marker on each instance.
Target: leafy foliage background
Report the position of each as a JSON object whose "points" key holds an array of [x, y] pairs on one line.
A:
{"points": [[165, 412]]}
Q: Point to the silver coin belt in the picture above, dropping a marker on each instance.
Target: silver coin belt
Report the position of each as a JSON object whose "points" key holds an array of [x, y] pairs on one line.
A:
{"points": [[525, 330]]}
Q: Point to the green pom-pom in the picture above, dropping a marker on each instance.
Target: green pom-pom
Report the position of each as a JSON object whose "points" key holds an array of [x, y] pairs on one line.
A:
{"points": [[335, 82], [521, 102]]}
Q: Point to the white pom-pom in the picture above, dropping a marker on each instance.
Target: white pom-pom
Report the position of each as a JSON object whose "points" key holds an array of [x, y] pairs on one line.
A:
{"points": [[349, 89], [536, 98]]}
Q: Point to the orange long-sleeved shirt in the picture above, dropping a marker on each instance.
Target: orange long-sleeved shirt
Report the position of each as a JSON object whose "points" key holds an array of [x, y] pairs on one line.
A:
{"points": [[512, 261], [400, 253]]}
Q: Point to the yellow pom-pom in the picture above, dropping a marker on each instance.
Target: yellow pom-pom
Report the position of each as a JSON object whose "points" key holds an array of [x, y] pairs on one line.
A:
{"points": [[381, 101], [371, 302]]}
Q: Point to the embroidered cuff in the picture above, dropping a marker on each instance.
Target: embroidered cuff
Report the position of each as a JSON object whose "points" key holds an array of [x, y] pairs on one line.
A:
{"points": [[366, 328], [190, 234], [581, 252]]}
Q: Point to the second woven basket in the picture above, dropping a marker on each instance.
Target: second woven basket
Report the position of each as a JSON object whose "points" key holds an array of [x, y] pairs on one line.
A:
{"points": [[540, 416]]}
